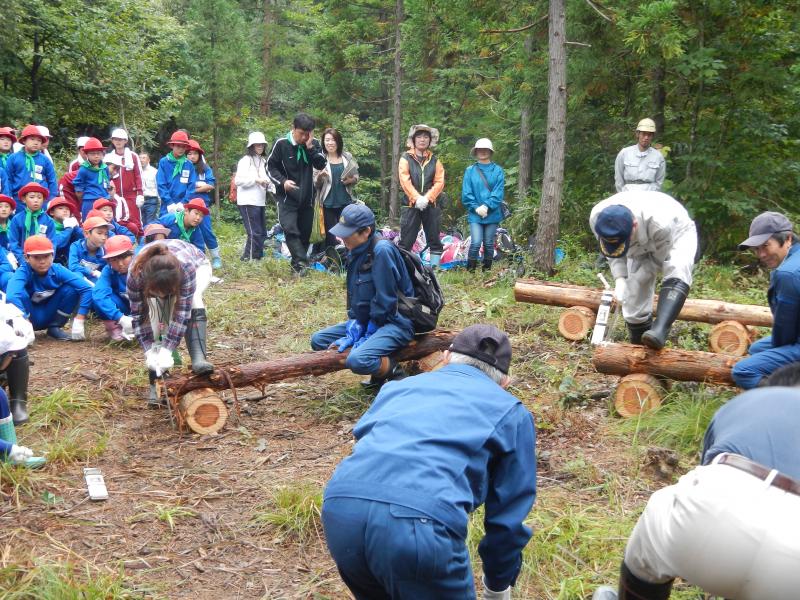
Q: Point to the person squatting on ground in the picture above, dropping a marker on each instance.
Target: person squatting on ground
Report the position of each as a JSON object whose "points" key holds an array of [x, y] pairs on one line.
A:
{"points": [[165, 286], [252, 184], [777, 248], [482, 194], [422, 180], [93, 181], [176, 176], [206, 182], [429, 451], [291, 166], [149, 209], [640, 167], [87, 256], [128, 178], [376, 275], [642, 233], [32, 220], [67, 230], [30, 165], [185, 224], [334, 191], [110, 293], [105, 208], [729, 526]]}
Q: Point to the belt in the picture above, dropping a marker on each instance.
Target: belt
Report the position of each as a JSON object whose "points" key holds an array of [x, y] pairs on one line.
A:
{"points": [[779, 480]]}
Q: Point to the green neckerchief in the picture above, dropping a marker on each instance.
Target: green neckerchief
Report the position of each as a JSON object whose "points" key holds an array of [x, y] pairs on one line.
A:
{"points": [[4, 159], [178, 163], [4, 227], [102, 173], [59, 225], [186, 234], [301, 149], [31, 218], [30, 164]]}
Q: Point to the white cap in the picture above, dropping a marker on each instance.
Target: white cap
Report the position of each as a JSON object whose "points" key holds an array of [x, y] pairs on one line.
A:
{"points": [[256, 137], [44, 131], [647, 125], [482, 144], [82, 141], [112, 158], [120, 134]]}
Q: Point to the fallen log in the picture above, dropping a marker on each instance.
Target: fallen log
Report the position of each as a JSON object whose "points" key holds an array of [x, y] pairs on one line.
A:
{"points": [[637, 393], [681, 365], [301, 365], [203, 411], [703, 311], [576, 322], [731, 337]]}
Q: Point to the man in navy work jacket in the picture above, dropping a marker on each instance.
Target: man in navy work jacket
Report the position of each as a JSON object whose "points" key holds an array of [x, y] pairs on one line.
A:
{"points": [[376, 274], [777, 248], [430, 450]]}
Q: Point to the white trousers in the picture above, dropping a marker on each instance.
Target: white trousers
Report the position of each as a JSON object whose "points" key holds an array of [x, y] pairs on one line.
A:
{"points": [[161, 308], [724, 530], [637, 307]]}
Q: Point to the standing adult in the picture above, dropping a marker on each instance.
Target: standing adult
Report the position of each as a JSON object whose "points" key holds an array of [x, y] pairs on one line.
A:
{"points": [[640, 167], [149, 210], [335, 182], [128, 179], [291, 165], [422, 180], [482, 195], [777, 248], [206, 182], [252, 183]]}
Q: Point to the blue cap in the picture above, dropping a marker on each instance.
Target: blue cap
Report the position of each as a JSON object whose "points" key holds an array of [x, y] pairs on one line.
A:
{"points": [[613, 227], [354, 217]]}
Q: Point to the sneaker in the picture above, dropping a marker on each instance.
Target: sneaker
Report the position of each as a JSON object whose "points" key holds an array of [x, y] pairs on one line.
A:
{"points": [[58, 334]]}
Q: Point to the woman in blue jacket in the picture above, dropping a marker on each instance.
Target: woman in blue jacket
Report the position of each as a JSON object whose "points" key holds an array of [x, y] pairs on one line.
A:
{"points": [[482, 194]]}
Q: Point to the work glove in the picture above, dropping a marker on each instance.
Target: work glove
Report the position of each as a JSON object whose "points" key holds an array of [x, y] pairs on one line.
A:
{"points": [[164, 361], [70, 222], [78, 330], [176, 207], [421, 203], [23, 328], [12, 260], [354, 331], [151, 358], [19, 454], [96, 274], [482, 211], [139, 200], [620, 287], [127, 326], [492, 595], [371, 328]]}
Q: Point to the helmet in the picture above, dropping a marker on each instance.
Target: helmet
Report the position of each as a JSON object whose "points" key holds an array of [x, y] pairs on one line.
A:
{"points": [[95, 222], [37, 244], [8, 132], [195, 145], [33, 187], [179, 138], [484, 144], [93, 145], [30, 131], [646, 125], [116, 245]]}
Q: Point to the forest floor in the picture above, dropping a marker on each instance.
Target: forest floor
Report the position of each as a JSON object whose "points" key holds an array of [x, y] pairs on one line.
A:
{"points": [[235, 515]]}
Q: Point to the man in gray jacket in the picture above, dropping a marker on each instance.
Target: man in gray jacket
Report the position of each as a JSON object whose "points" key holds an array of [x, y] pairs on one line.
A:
{"points": [[640, 167]]}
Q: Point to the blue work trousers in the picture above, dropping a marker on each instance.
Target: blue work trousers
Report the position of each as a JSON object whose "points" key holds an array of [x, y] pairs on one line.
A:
{"points": [[366, 359], [121, 303], [388, 551], [56, 310], [480, 233], [764, 359], [208, 234], [149, 210]]}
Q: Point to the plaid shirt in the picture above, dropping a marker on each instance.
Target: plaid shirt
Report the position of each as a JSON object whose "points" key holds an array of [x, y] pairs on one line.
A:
{"points": [[190, 258]]}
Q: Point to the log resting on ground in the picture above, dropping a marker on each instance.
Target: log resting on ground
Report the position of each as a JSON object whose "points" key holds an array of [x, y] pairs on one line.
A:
{"points": [[694, 309], [299, 365], [681, 365]]}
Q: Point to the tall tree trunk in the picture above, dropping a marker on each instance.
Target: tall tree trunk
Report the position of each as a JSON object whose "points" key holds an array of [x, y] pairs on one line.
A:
{"points": [[38, 43], [553, 180], [266, 59], [659, 96], [525, 138], [394, 204], [385, 154], [215, 154]]}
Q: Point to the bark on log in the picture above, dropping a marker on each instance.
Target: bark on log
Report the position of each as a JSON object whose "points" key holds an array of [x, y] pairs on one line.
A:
{"points": [[301, 365], [703, 311], [681, 365]]}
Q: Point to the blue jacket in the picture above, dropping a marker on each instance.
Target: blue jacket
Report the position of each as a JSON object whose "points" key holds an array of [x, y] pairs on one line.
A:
{"points": [[5, 183], [474, 192], [109, 285], [64, 239], [207, 177], [117, 229], [27, 288], [784, 299], [6, 270], [372, 293], [17, 235], [175, 189], [43, 174], [444, 443], [83, 263], [170, 221], [86, 181], [4, 235]]}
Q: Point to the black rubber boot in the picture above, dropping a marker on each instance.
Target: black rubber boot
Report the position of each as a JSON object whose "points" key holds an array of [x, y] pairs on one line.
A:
{"points": [[18, 372], [196, 342], [472, 264], [633, 588], [670, 302], [298, 252], [394, 372], [635, 330], [153, 398], [487, 264]]}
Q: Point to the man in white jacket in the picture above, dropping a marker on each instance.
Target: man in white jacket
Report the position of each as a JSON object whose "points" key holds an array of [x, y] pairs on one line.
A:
{"points": [[643, 233]]}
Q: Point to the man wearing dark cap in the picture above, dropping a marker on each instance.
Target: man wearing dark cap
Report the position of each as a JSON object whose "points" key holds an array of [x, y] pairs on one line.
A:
{"points": [[429, 451], [643, 233], [778, 248], [376, 276]]}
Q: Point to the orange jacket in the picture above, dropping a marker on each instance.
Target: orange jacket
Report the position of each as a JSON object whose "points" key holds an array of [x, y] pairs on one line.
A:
{"points": [[405, 178]]}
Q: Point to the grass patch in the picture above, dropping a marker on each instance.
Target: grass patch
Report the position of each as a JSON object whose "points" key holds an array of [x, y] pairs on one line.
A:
{"points": [[62, 582], [74, 445], [294, 511], [59, 408], [342, 404], [16, 481], [166, 513]]}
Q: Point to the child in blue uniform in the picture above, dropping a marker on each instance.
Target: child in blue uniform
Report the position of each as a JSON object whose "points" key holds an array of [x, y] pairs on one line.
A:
{"points": [[86, 256], [176, 177], [93, 180], [7, 208], [30, 164], [185, 224], [105, 208], [67, 230], [206, 182], [30, 221], [110, 293]]}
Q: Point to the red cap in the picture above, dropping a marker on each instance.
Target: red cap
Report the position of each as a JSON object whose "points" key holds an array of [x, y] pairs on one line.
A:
{"points": [[154, 228], [29, 131], [8, 132], [101, 202], [93, 145], [95, 213], [95, 222], [197, 204], [179, 138], [116, 245], [33, 187], [60, 201], [8, 200], [195, 145], [38, 244]]}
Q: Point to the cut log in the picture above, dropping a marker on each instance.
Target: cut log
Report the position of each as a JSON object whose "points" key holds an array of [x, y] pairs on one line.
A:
{"points": [[703, 311], [576, 322], [681, 365], [203, 411], [301, 365], [731, 337], [637, 393]]}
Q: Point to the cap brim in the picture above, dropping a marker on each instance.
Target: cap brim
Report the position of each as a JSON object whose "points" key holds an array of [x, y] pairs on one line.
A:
{"points": [[615, 250], [37, 252], [754, 241], [341, 230]]}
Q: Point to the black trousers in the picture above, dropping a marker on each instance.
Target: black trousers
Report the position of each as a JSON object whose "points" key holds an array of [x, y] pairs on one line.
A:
{"points": [[296, 219], [331, 218], [431, 220], [253, 219]]}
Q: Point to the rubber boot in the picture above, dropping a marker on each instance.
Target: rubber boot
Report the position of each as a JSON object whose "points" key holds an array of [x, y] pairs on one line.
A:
{"points": [[670, 302], [153, 397], [436, 258], [8, 433], [298, 252], [637, 329], [472, 264], [487, 264], [633, 588], [196, 342], [56, 332], [605, 592], [390, 370], [114, 331], [18, 372], [216, 259]]}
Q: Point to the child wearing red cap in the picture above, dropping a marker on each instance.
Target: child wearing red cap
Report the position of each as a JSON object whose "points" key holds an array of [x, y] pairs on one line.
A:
{"points": [[7, 208], [110, 293], [7, 139], [206, 182], [86, 256], [48, 293], [93, 180], [185, 224], [30, 165], [30, 221], [176, 177], [105, 208], [67, 230]]}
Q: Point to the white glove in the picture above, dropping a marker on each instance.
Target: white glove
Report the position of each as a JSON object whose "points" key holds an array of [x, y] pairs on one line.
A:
{"points": [[164, 361], [13, 260], [96, 274], [70, 222], [482, 211], [176, 207], [23, 328], [620, 287], [421, 203], [492, 595], [127, 326], [151, 358], [139, 200], [78, 330], [19, 454]]}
